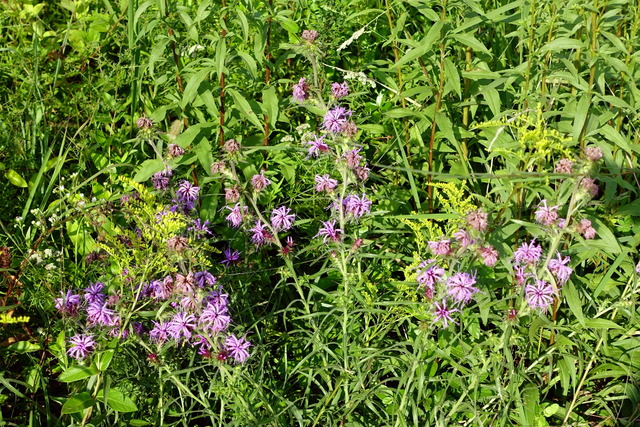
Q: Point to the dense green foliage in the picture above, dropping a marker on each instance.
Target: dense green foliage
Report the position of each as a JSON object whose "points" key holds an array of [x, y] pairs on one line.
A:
{"points": [[458, 105]]}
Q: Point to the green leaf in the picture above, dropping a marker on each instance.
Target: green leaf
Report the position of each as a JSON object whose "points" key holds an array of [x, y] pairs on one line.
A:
{"points": [[531, 397], [472, 42], [24, 347], [148, 168], [571, 294], [120, 402], [193, 85], [15, 178], [562, 43], [103, 359], [270, 104], [614, 136], [76, 373], [551, 410], [80, 237], [601, 324], [78, 403], [424, 47], [245, 109]]}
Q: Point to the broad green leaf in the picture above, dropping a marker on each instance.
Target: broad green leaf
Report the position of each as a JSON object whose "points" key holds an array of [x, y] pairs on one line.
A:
{"points": [[76, 373], [614, 136], [531, 398], [80, 236], [452, 77], [582, 110], [562, 43], [148, 168], [573, 299], [103, 359], [425, 45], [15, 178], [24, 347], [120, 402], [221, 57], [270, 104], [472, 42], [78, 403], [193, 84], [601, 324], [242, 105]]}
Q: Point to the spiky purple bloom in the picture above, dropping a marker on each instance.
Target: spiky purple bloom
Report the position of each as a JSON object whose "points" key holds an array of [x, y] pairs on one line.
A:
{"points": [[187, 192], [174, 150], [361, 172], [235, 217], [301, 90], [428, 277], [230, 257], [546, 215], [520, 274], [489, 255], [93, 293], [460, 287], [181, 326], [353, 158], [589, 185], [357, 206], [593, 153], [237, 348], [204, 278], [281, 219], [325, 184], [162, 289], [260, 234], [563, 166], [215, 318], [477, 220], [217, 297], [440, 247], [539, 295], [200, 228], [558, 267], [231, 146], [335, 119], [82, 346], [329, 231], [443, 313], [259, 181], [586, 229], [185, 285], [160, 332], [463, 237], [99, 314], [309, 35], [317, 146], [339, 90], [528, 253], [232, 194], [68, 304], [203, 344], [160, 179]]}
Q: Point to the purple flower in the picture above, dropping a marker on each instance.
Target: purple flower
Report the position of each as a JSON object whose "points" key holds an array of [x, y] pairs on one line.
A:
{"points": [[174, 150], [539, 295], [281, 219], [204, 278], [362, 172], [325, 184], [309, 35], [162, 289], [200, 228], [335, 119], [68, 304], [443, 313], [589, 185], [187, 192], [237, 348], [230, 257], [235, 217], [99, 314], [160, 332], [317, 146], [586, 229], [82, 346], [593, 153], [160, 179], [185, 285], [357, 206], [232, 194], [215, 318], [352, 157], [339, 90], [528, 254], [301, 90], [477, 220], [546, 215], [460, 287], [489, 255], [520, 274], [463, 237], [259, 181], [231, 146], [558, 267], [260, 234], [564, 166], [217, 297], [429, 277], [94, 293], [329, 230], [181, 326], [441, 247]]}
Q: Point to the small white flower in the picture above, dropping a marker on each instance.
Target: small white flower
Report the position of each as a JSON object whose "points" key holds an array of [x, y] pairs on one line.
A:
{"points": [[50, 266]]}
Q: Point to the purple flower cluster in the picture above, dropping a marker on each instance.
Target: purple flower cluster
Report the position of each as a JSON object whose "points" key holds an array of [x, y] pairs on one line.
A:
{"points": [[161, 179], [187, 196], [301, 90], [336, 119]]}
